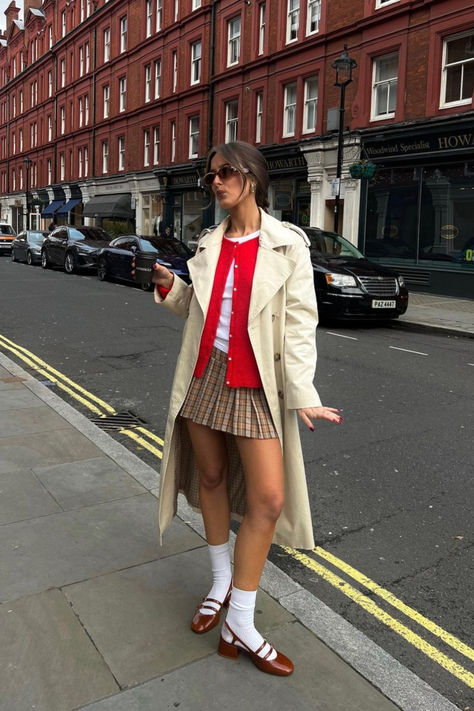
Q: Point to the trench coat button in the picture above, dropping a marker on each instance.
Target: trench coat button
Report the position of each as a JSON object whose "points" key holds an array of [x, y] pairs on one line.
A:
{"points": [[280, 394], [277, 356], [273, 317]]}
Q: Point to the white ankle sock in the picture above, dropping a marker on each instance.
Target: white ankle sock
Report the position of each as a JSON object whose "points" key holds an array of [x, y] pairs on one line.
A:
{"points": [[221, 575], [240, 620]]}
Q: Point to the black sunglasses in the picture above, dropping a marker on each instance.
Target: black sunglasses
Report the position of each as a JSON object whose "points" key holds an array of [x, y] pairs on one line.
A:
{"points": [[225, 172]]}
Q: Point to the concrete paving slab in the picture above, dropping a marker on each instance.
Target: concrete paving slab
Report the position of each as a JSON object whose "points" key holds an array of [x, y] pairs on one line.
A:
{"points": [[45, 448], [10, 384], [91, 481], [31, 419], [75, 545], [18, 399], [139, 618], [47, 661], [22, 496], [321, 682], [4, 373]]}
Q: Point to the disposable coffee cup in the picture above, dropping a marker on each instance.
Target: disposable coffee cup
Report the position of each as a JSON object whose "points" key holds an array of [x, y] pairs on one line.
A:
{"points": [[144, 262]]}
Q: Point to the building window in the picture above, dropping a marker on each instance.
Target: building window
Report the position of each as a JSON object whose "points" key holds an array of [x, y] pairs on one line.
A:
{"points": [[147, 83], [83, 10], [313, 16], [87, 53], [289, 111], [81, 112], [81, 62], [123, 34], [121, 153], [86, 109], [13, 180], [292, 20], [21, 178], [149, 13], [49, 171], [146, 147], [106, 95], [173, 141], [63, 120], [385, 83], [457, 79], [196, 62], [63, 72], [196, 4], [194, 137], [231, 120], [176, 10], [156, 145], [21, 101], [32, 94], [261, 28], [384, 3], [159, 14], [107, 44], [20, 140], [310, 104], [86, 162], [50, 128], [259, 118], [50, 84], [79, 162], [175, 70], [63, 23], [122, 93], [233, 41], [14, 105], [105, 156], [50, 36], [13, 143], [61, 166], [157, 78]]}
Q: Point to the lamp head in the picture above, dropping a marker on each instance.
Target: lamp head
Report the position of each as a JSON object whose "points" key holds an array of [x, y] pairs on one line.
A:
{"points": [[343, 66]]}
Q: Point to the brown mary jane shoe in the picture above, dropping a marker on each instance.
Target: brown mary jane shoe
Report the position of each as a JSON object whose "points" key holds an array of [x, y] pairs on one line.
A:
{"points": [[280, 666], [203, 623]]}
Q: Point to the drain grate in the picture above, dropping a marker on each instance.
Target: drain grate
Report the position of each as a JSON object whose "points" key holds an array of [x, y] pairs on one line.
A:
{"points": [[117, 421]]}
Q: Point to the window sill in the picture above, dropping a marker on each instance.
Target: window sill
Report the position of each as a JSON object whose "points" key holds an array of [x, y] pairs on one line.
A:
{"points": [[453, 104], [385, 117]]}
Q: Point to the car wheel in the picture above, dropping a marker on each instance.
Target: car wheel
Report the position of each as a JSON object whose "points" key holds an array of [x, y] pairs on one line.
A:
{"points": [[29, 258], [102, 270], [146, 286], [70, 265], [44, 259]]}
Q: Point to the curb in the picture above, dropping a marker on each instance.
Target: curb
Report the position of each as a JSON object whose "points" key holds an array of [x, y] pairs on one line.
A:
{"points": [[428, 327], [390, 677]]}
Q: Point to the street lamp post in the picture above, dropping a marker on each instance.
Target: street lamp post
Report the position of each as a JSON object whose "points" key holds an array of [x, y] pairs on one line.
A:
{"points": [[343, 66], [27, 161]]}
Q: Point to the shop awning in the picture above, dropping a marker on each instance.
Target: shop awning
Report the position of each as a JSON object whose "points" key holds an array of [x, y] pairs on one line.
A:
{"points": [[109, 206], [50, 210], [70, 205]]}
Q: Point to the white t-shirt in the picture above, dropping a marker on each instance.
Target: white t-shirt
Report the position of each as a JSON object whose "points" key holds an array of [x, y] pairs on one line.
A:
{"points": [[221, 340]]}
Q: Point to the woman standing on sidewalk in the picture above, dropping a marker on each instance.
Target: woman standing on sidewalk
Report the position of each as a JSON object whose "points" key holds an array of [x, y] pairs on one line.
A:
{"points": [[244, 372]]}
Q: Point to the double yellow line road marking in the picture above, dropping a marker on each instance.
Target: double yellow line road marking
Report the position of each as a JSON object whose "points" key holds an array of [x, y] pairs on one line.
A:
{"points": [[153, 444]]}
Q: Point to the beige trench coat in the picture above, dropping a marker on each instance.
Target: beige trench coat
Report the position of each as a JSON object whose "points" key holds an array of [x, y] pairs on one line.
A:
{"points": [[281, 325]]}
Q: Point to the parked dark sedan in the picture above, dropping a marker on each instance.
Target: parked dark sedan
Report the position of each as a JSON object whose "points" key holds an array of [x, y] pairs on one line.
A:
{"points": [[114, 261], [73, 248], [26, 247], [349, 286]]}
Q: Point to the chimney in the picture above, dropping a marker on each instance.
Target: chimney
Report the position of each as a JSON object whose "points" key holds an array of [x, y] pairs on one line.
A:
{"points": [[11, 13], [27, 4]]}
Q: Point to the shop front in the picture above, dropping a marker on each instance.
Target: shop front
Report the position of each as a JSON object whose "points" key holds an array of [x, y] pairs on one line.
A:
{"points": [[289, 193], [416, 213], [185, 204]]}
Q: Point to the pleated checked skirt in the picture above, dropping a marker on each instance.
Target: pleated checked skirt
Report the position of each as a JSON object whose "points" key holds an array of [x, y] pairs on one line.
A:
{"points": [[239, 411]]}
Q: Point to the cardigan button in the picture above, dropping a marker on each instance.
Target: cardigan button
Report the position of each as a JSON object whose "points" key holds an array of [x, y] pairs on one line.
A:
{"points": [[280, 394], [277, 356]]}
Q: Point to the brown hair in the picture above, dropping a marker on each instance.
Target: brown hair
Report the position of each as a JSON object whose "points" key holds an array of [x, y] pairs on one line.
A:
{"points": [[244, 156]]}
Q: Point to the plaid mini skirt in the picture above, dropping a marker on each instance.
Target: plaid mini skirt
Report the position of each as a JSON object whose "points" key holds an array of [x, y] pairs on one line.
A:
{"points": [[239, 411]]}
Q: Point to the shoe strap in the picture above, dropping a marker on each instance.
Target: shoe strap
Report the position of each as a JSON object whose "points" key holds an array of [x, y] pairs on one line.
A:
{"points": [[245, 646]]}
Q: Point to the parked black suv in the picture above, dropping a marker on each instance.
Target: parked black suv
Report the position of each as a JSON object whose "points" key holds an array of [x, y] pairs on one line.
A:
{"points": [[73, 247], [349, 286]]}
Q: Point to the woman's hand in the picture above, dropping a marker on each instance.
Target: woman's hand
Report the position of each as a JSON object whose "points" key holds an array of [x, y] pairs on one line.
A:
{"points": [[319, 413]]}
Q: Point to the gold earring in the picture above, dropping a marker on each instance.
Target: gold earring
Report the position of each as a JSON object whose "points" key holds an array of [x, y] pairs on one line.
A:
{"points": [[253, 187]]}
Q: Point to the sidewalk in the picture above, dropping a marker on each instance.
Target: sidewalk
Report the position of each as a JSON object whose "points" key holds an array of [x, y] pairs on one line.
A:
{"points": [[95, 615], [442, 313]]}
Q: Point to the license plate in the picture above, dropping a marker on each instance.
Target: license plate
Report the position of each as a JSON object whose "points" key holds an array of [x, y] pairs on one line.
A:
{"points": [[379, 304]]}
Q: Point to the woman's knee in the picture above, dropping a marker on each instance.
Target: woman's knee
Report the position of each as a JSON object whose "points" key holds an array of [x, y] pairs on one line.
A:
{"points": [[213, 476], [267, 506]]}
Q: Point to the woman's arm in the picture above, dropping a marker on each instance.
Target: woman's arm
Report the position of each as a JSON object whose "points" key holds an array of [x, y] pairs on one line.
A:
{"points": [[175, 294]]}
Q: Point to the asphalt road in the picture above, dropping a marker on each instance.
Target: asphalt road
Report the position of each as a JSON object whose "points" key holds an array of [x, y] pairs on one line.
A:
{"points": [[391, 489]]}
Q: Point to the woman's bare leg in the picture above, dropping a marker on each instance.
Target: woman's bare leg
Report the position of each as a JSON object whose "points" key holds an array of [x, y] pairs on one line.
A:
{"points": [[263, 466], [210, 453]]}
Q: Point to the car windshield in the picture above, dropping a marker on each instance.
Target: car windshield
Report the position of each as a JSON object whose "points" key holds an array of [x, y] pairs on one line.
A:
{"points": [[331, 246], [170, 246], [6, 230], [37, 237], [95, 234]]}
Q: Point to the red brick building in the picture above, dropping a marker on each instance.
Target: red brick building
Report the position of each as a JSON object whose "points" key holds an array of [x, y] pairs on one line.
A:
{"points": [[115, 104]]}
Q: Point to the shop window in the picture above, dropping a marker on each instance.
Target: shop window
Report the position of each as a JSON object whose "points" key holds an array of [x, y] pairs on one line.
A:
{"points": [[196, 62], [384, 86], [292, 20], [313, 16], [310, 104], [457, 80], [233, 41], [192, 216], [261, 27], [289, 110], [231, 120]]}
